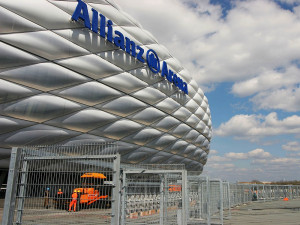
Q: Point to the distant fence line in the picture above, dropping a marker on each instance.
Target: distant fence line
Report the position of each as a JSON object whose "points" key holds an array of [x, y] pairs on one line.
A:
{"points": [[42, 179]]}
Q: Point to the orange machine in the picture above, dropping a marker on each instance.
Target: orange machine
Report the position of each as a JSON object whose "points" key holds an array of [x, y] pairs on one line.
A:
{"points": [[88, 194], [174, 187], [92, 193]]}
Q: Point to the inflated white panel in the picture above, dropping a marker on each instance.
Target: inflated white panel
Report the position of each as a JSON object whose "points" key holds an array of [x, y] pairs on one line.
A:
{"points": [[118, 129], [191, 136], [9, 124], [139, 155], [193, 120], [11, 91], [162, 142], [12, 57], [159, 157], [197, 98], [91, 93], [146, 75], [161, 51], [88, 40], [43, 76], [200, 113], [185, 75], [182, 114], [192, 106], [166, 124], [140, 35], [45, 44], [34, 134], [42, 13], [121, 59], [177, 146], [149, 95], [168, 105], [91, 65], [180, 97], [175, 64], [124, 106], [144, 136], [42, 107], [192, 91], [181, 130], [84, 120], [124, 82], [113, 14], [148, 116], [12, 23], [165, 87], [201, 126]]}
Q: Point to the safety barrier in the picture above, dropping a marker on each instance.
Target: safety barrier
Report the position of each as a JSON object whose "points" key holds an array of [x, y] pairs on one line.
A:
{"points": [[63, 185], [88, 185]]}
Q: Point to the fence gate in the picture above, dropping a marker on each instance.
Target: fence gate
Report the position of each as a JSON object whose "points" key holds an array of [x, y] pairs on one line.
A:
{"points": [[154, 197], [198, 192], [43, 181]]}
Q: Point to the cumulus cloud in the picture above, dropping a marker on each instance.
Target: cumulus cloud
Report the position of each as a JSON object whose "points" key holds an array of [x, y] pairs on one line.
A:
{"points": [[255, 36], [293, 146], [255, 127], [256, 153], [213, 152], [246, 47]]}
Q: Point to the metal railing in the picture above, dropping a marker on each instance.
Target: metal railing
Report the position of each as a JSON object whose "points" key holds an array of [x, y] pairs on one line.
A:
{"points": [[42, 181]]}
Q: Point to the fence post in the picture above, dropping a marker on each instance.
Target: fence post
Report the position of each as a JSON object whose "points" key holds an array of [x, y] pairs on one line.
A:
{"points": [[10, 196], [124, 206], [116, 192], [22, 192], [221, 202], [208, 200], [185, 198], [162, 200]]}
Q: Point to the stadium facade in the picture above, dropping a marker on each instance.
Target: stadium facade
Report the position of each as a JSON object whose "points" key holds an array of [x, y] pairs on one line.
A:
{"points": [[85, 71]]}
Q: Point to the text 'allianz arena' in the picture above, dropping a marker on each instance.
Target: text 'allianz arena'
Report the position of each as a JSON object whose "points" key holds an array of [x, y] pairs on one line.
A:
{"points": [[84, 72]]}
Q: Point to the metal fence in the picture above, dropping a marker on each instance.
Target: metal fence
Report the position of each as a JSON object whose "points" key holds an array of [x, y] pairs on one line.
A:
{"points": [[88, 185], [154, 197], [63, 185]]}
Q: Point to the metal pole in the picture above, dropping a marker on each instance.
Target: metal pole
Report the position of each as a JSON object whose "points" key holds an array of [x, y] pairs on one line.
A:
{"points": [[124, 205], [22, 191], [10, 196], [161, 203], [185, 198], [208, 200], [221, 201], [116, 191]]}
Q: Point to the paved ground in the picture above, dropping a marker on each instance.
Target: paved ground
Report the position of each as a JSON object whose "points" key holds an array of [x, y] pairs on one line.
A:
{"points": [[266, 213]]}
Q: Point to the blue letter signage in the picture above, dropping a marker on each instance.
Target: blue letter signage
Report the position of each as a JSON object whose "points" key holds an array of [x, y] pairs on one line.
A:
{"points": [[124, 43]]}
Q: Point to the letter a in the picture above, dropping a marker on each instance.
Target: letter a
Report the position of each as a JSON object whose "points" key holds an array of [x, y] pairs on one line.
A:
{"points": [[81, 6]]}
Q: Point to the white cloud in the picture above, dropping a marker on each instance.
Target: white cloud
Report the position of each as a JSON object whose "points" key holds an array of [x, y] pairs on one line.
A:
{"points": [[293, 146], [213, 152], [256, 153], [268, 81], [255, 127], [255, 36], [283, 99]]}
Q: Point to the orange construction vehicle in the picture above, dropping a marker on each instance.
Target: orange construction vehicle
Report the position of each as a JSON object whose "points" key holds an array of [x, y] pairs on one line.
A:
{"points": [[92, 193]]}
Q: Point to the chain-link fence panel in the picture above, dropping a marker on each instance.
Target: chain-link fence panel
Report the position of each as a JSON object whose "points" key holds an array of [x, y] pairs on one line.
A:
{"points": [[216, 201], [153, 197], [198, 194], [65, 185]]}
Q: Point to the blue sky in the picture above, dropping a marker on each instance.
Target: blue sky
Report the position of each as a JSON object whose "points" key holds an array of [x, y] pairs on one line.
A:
{"points": [[245, 55]]}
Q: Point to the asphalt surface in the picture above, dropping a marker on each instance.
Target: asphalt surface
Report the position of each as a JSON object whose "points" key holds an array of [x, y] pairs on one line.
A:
{"points": [[266, 213]]}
